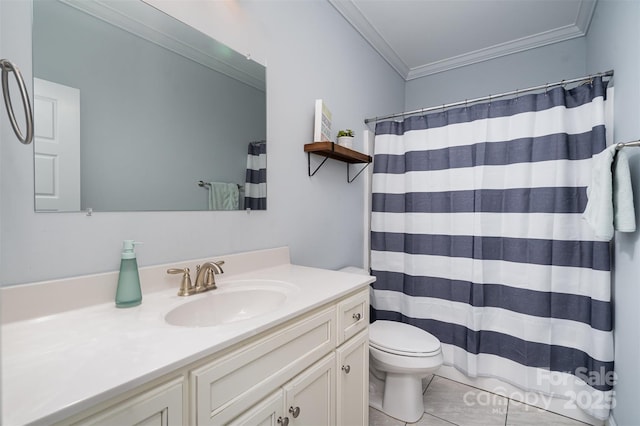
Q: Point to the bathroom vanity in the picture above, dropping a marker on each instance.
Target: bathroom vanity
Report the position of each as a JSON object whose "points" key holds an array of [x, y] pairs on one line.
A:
{"points": [[304, 361]]}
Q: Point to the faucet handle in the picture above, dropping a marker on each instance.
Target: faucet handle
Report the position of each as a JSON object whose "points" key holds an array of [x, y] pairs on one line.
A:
{"points": [[186, 288]]}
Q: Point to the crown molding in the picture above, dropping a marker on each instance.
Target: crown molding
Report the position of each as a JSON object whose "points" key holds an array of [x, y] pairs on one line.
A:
{"points": [[350, 11], [493, 52], [151, 24], [585, 13], [356, 18]]}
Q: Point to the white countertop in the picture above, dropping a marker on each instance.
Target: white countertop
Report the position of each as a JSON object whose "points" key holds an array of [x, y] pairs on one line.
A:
{"points": [[58, 365]]}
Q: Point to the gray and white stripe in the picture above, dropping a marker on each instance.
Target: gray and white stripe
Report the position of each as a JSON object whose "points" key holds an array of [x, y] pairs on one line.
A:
{"points": [[477, 237], [255, 191]]}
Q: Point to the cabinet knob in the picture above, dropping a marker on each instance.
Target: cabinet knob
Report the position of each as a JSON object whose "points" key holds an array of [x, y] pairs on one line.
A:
{"points": [[346, 368], [295, 412], [357, 316], [283, 421]]}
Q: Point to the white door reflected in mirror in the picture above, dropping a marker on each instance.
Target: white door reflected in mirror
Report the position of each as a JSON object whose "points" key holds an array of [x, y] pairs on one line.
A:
{"points": [[57, 146]]}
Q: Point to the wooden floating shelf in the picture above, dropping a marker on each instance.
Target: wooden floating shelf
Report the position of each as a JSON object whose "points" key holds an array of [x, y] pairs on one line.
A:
{"points": [[336, 152]]}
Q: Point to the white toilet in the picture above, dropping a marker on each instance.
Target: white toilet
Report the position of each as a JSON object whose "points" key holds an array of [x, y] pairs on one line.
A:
{"points": [[400, 356]]}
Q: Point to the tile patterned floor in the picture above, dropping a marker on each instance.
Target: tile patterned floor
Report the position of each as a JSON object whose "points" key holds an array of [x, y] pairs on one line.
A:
{"points": [[450, 403]]}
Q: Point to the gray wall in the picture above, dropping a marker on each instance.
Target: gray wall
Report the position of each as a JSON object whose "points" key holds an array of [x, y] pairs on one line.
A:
{"points": [[4, 122], [546, 64], [303, 44], [613, 42], [153, 122]]}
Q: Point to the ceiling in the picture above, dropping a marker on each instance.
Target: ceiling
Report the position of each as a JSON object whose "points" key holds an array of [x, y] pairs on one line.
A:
{"points": [[423, 37]]}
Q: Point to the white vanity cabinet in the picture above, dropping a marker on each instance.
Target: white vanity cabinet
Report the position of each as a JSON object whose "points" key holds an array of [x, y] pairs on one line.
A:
{"points": [[311, 370], [353, 316], [226, 387], [310, 397], [159, 406], [307, 399], [269, 412], [352, 369], [352, 361], [231, 389]]}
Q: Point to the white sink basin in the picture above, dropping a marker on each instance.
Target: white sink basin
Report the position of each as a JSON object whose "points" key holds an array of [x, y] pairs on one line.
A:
{"points": [[233, 301]]}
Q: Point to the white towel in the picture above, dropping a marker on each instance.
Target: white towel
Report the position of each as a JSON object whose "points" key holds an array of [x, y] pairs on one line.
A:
{"points": [[223, 196], [610, 196]]}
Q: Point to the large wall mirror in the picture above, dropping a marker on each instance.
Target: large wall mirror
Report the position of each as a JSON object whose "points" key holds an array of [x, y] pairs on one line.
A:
{"points": [[136, 111]]}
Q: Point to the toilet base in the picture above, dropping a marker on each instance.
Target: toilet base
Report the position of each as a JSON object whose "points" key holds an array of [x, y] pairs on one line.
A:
{"points": [[403, 397]]}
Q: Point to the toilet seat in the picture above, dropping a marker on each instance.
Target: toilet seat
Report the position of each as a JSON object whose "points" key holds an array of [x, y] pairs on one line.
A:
{"points": [[403, 353], [402, 339]]}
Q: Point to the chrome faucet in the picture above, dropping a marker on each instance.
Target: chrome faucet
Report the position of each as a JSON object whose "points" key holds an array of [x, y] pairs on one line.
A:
{"points": [[205, 278]]}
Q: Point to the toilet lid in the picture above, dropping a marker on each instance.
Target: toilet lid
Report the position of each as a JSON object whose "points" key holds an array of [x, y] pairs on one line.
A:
{"points": [[402, 339]]}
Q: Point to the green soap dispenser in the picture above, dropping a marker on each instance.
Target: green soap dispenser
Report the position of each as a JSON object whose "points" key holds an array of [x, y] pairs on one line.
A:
{"points": [[129, 293]]}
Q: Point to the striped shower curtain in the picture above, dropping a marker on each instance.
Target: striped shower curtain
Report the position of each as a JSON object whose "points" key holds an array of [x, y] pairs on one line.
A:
{"points": [[255, 188], [477, 237]]}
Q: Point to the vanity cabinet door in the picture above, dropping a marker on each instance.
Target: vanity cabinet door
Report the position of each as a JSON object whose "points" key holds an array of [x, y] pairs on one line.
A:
{"points": [[310, 396], [161, 406], [269, 412], [229, 386], [352, 370]]}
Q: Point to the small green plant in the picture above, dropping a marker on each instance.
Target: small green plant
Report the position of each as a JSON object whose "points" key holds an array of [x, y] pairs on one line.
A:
{"points": [[347, 132]]}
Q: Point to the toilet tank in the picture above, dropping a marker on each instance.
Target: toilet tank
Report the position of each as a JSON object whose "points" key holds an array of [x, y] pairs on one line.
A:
{"points": [[354, 270]]}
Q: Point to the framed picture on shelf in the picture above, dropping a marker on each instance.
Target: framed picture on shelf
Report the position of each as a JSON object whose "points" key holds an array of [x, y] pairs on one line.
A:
{"points": [[322, 123]]}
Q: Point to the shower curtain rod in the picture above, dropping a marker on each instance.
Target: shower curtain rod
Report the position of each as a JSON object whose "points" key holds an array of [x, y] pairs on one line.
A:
{"points": [[621, 145], [490, 97]]}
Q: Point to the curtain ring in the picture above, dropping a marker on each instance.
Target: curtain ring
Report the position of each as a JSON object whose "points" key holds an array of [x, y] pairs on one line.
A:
{"points": [[517, 94], [465, 103], [546, 88]]}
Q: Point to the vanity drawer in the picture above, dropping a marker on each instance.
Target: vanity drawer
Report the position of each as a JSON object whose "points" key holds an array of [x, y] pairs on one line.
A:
{"points": [[353, 315], [226, 387]]}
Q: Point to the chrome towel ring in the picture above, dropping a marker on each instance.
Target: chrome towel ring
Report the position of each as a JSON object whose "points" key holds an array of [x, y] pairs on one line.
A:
{"points": [[8, 66]]}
